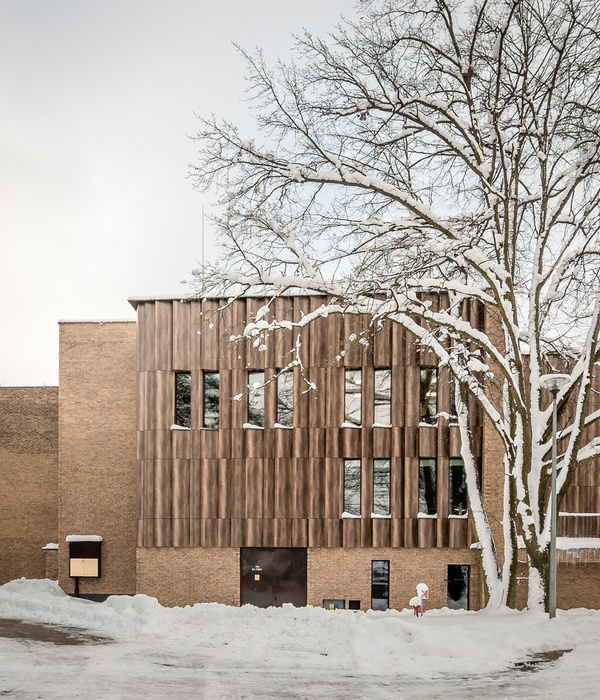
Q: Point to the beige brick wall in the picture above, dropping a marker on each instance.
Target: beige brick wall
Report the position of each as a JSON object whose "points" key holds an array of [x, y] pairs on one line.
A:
{"points": [[346, 574], [97, 451], [184, 576], [29, 479]]}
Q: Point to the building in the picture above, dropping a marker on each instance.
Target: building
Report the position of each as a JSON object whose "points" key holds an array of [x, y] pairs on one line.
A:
{"points": [[211, 475]]}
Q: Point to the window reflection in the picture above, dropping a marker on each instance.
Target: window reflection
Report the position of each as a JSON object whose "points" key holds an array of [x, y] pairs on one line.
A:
{"points": [[352, 486], [381, 486], [427, 486], [285, 399], [352, 396], [428, 397], [383, 397], [183, 403], [458, 586], [211, 400], [380, 585], [457, 487], [256, 398]]}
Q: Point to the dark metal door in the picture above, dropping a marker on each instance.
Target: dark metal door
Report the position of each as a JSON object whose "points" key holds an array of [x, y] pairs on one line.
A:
{"points": [[270, 577]]}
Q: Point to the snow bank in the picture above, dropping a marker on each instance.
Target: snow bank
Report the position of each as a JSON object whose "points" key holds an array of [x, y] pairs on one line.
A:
{"points": [[393, 642]]}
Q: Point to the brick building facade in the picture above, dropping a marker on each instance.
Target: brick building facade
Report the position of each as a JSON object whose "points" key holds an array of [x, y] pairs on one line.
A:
{"points": [[211, 475]]}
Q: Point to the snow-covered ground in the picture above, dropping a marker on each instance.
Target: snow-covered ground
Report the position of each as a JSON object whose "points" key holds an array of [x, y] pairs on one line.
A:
{"points": [[215, 651]]}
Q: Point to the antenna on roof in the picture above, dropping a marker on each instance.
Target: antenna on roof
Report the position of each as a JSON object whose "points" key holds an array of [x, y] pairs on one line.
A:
{"points": [[202, 279]]}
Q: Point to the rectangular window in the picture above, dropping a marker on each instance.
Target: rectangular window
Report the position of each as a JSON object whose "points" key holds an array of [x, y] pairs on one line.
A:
{"points": [[380, 585], [428, 396], [285, 399], [183, 399], [353, 396], [381, 486], [210, 415], [352, 486], [256, 398], [428, 486], [452, 387], [458, 586], [383, 397], [457, 487]]}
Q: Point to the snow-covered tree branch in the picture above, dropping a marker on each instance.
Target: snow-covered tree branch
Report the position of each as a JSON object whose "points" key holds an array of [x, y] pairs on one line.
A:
{"points": [[450, 149]]}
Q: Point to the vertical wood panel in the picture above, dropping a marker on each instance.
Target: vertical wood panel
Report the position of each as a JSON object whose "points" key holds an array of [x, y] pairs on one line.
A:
{"points": [[335, 397], [165, 399], [196, 335], [181, 503], [427, 533], [315, 533], [317, 487], [382, 344], [410, 532], [238, 489], [332, 532], [209, 479], [223, 490], [163, 335], [237, 532], [209, 533], [334, 488], [283, 494], [366, 532], [182, 336], [351, 532], [301, 489], [299, 532], [282, 532], [210, 336], [145, 322], [223, 532], [254, 491], [269, 489], [381, 532], [396, 532]]}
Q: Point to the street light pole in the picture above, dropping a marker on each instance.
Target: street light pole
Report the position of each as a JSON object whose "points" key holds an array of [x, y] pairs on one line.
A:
{"points": [[552, 591], [553, 382]]}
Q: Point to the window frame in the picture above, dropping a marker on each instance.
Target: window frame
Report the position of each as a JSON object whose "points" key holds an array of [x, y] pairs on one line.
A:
{"points": [[387, 486], [451, 603], [423, 490], [387, 403], [282, 376], [349, 506], [351, 396], [256, 389], [454, 508], [425, 401], [375, 584], [205, 422], [187, 393]]}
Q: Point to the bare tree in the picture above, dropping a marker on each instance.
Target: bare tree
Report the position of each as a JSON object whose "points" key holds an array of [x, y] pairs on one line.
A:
{"points": [[449, 148]]}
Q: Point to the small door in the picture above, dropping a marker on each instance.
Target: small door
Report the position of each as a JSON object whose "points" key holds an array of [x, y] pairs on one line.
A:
{"points": [[270, 577]]}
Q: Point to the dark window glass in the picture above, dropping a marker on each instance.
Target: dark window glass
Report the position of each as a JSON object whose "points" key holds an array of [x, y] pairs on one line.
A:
{"points": [[428, 397], [380, 585], [452, 383], [427, 486], [352, 486], [352, 396], [457, 487], [458, 586], [256, 398], [383, 397], [183, 399], [381, 486], [211, 400], [285, 399]]}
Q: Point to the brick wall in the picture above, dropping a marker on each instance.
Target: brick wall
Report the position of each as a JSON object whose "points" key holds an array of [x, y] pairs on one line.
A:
{"points": [[346, 574], [28, 483], [184, 576], [97, 462], [188, 575]]}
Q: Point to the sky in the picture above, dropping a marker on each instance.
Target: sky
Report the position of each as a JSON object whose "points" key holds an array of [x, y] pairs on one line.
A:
{"points": [[97, 105]]}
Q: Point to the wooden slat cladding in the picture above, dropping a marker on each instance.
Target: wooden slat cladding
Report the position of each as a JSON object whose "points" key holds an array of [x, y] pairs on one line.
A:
{"points": [[274, 486]]}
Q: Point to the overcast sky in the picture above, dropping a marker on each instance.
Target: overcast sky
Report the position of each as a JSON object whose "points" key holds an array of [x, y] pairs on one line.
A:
{"points": [[97, 100]]}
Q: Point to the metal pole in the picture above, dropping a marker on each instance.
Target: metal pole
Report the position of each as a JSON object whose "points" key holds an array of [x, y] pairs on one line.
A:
{"points": [[552, 587]]}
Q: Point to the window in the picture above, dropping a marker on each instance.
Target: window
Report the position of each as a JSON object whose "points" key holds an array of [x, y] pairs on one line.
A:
{"points": [[183, 399], [452, 389], [352, 397], [285, 399], [383, 397], [381, 486], [256, 398], [210, 415], [380, 585], [458, 586], [428, 397], [457, 487], [352, 486], [427, 486]]}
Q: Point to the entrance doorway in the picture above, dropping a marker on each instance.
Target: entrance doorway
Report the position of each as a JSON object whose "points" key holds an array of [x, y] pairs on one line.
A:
{"points": [[272, 576]]}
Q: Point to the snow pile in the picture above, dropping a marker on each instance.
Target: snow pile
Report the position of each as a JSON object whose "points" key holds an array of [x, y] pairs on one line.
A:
{"points": [[440, 643]]}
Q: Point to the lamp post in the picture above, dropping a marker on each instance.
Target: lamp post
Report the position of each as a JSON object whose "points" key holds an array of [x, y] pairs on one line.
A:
{"points": [[554, 383]]}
